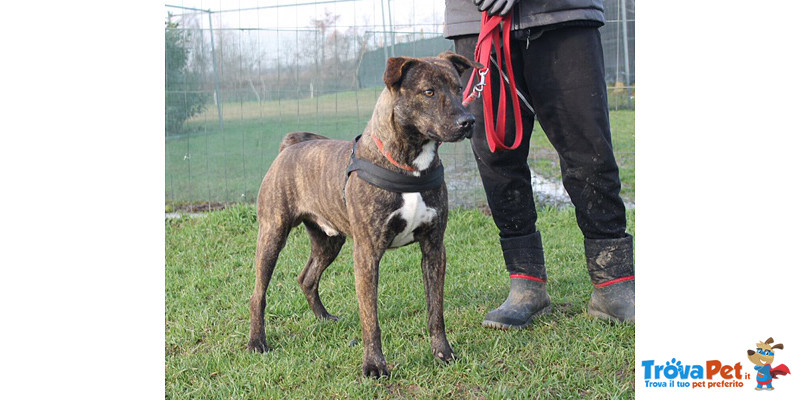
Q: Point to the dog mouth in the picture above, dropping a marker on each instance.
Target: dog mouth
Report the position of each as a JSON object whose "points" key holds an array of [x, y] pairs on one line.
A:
{"points": [[457, 136], [465, 132], [468, 133]]}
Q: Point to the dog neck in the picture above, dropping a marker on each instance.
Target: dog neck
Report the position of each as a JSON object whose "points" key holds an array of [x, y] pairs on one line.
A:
{"points": [[403, 148]]}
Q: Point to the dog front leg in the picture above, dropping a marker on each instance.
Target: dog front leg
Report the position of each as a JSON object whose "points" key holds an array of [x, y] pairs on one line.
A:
{"points": [[433, 272], [366, 261]]}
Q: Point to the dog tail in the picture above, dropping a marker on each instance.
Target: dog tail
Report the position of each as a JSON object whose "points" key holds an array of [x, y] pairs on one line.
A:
{"points": [[298, 137]]}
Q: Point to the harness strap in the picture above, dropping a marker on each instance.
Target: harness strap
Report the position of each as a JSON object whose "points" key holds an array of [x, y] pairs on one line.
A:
{"points": [[391, 180], [488, 38]]}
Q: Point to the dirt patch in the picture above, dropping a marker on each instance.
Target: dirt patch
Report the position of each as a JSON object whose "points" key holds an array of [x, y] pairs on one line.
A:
{"points": [[194, 207], [469, 392], [401, 391]]}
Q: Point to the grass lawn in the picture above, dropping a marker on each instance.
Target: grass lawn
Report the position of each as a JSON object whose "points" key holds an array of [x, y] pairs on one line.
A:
{"points": [[210, 275], [212, 165]]}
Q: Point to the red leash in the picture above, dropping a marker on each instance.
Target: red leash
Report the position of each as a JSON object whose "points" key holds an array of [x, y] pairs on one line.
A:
{"points": [[489, 37]]}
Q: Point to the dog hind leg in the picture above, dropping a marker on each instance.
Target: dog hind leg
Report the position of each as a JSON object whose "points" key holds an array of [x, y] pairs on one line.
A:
{"points": [[271, 239], [324, 250]]}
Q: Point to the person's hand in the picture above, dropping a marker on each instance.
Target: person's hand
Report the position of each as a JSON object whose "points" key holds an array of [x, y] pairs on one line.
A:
{"points": [[495, 7]]}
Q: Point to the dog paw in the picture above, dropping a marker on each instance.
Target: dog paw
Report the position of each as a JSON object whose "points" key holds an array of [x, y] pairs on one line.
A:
{"points": [[258, 345], [328, 317], [446, 355], [441, 349], [375, 370]]}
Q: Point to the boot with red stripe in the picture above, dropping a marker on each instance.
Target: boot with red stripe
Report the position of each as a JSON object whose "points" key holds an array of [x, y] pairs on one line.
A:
{"points": [[527, 298], [610, 263]]}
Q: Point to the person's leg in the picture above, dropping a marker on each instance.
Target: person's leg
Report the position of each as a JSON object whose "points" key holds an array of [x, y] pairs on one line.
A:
{"points": [[505, 175], [565, 76], [507, 182]]}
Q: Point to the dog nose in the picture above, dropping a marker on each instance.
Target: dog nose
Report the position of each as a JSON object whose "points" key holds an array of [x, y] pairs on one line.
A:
{"points": [[466, 122]]}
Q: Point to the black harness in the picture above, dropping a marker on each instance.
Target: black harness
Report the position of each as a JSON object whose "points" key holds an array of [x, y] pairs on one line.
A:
{"points": [[390, 180]]}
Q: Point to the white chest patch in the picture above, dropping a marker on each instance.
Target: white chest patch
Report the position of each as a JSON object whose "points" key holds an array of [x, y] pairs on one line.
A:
{"points": [[425, 157], [415, 213]]}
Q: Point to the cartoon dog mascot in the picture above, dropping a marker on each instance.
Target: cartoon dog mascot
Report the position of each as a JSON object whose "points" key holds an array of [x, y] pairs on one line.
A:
{"points": [[762, 358]]}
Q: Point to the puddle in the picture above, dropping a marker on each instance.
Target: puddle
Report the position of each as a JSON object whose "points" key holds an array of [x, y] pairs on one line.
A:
{"points": [[549, 192], [552, 193]]}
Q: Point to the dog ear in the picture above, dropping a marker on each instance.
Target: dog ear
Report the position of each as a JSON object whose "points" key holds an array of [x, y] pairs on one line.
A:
{"points": [[769, 341], [460, 62], [778, 346], [396, 68]]}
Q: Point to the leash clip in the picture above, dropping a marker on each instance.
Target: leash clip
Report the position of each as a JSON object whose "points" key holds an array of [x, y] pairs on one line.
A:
{"points": [[478, 89], [479, 86]]}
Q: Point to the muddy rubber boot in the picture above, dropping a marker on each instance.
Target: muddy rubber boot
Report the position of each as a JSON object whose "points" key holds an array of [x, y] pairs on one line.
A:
{"points": [[610, 264], [526, 300], [527, 297]]}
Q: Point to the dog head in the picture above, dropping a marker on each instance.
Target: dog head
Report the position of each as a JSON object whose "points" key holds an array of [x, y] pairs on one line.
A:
{"points": [[764, 353], [426, 96]]}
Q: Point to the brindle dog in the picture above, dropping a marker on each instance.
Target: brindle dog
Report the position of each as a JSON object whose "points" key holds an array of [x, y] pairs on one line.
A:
{"points": [[419, 108]]}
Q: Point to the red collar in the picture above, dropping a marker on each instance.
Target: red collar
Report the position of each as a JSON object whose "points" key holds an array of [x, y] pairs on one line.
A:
{"points": [[388, 157]]}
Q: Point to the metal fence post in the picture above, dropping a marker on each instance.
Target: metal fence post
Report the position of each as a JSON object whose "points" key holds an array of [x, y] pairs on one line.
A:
{"points": [[625, 50], [625, 41], [385, 39], [217, 98], [391, 26]]}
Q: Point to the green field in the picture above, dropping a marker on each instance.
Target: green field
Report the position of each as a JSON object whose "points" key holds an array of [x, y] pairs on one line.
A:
{"points": [[209, 278], [207, 164]]}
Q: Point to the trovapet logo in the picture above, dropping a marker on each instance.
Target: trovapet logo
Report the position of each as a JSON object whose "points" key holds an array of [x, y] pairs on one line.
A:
{"points": [[674, 373], [712, 374]]}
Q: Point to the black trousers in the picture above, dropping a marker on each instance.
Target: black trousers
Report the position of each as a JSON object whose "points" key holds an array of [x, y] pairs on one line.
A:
{"points": [[561, 73]]}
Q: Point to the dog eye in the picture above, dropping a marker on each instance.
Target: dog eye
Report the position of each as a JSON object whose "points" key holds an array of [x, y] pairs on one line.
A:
{"points": [[460, 88], [760, 351], [428, 92]]}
